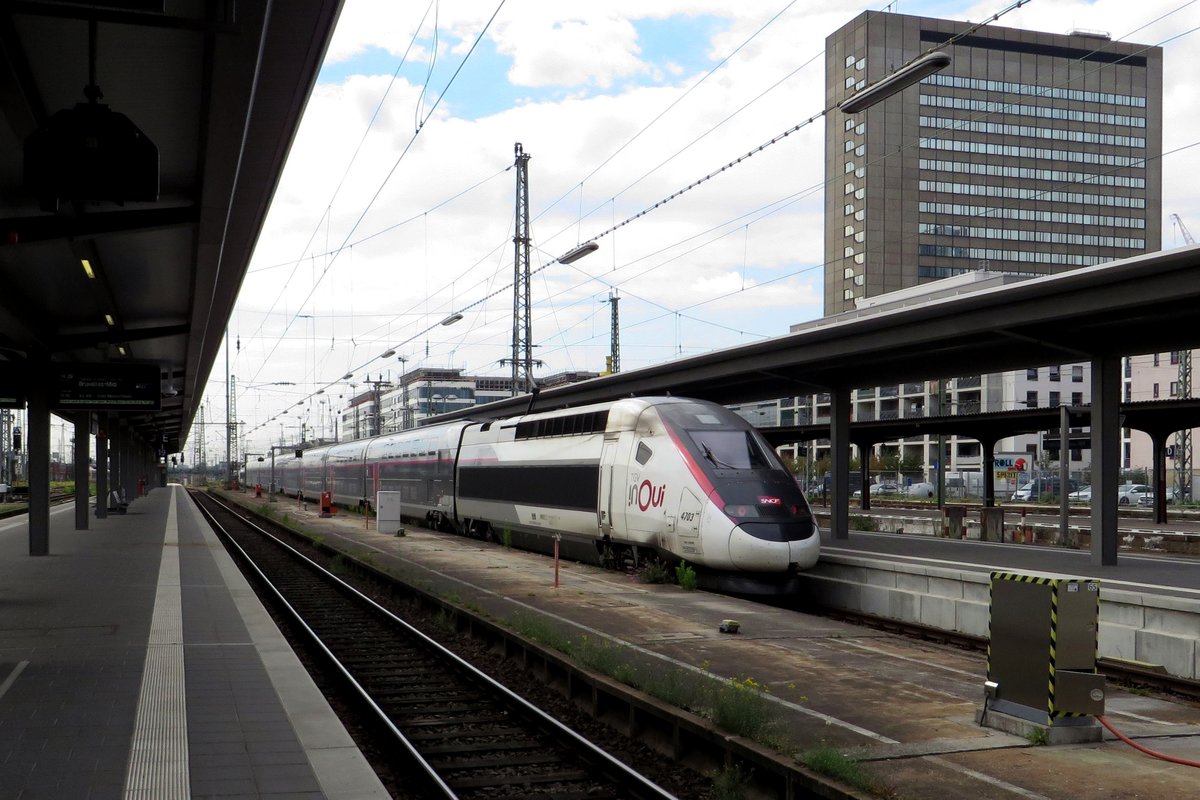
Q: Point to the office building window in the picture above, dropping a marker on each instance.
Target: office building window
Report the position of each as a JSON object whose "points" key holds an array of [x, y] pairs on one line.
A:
{"points": [[1054, 400], [1077, 373], [1031, 374], [1174, 356], [1174, 388], [1076, 398], [1054, 374], [997, 212], [1031, 399], [1031, 131], [1034, 90], [1156, 359], [1156, 391]]}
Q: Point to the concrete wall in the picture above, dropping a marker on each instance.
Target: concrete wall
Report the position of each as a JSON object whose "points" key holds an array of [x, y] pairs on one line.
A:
{"points": [[1149, 628]]}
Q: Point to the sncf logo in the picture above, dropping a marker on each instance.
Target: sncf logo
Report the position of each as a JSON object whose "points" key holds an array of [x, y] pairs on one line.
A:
{"points": [[770, 501], [647, 495]]}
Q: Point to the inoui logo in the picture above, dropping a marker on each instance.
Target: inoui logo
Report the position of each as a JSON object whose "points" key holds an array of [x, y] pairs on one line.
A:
{"points": [[647, 495]]}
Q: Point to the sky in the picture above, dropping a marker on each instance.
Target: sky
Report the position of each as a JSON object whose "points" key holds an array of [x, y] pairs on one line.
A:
{"points": [[396, 205]]}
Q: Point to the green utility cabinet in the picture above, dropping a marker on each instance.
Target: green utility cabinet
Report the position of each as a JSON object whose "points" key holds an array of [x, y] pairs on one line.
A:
{"points": [[1042, 654]]}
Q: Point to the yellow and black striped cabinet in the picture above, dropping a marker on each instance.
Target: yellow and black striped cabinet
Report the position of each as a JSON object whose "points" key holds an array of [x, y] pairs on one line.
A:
{"points": [[1042, 650]]}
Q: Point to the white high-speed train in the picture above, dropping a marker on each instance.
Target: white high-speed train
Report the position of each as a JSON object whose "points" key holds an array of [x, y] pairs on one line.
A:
{"points": [[682, 479]]}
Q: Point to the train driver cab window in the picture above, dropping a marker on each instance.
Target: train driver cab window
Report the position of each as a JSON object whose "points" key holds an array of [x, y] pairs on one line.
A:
{"points": [[643, 453], [730, 449]]}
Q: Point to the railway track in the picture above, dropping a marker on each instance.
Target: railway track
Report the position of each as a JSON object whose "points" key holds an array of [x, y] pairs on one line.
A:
{"points": [[464, 734]]}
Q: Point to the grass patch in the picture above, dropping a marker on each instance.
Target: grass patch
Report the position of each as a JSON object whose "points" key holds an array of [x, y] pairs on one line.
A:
{"points": [[1038, 737], [861, 523], [729, 783], [654, 572], [829, 762], [685, 576], [740, 706]]}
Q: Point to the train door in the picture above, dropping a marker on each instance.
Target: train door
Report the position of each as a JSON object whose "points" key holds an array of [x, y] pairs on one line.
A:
{"points": [[687, 528], [608, 460]]}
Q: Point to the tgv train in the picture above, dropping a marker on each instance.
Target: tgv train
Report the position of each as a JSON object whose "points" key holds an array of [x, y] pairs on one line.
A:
{"points": [[616, 482]]}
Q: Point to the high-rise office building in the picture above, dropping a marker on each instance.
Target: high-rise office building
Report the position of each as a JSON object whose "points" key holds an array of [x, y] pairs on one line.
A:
{"points": [[1030, 153]]}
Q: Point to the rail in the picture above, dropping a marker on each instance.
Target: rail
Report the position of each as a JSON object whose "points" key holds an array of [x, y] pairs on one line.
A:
{"points": [[465, 734]]}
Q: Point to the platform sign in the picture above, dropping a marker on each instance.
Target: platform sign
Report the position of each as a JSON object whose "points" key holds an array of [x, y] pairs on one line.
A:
{"points": [[111, 386], [12, 385]]}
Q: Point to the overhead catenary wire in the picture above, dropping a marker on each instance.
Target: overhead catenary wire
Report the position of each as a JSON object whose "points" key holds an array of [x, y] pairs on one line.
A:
{"points": [[814, 266], [404, 151]]}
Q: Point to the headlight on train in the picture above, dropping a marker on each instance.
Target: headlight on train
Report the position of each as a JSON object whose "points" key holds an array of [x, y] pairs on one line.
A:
{"points": [[766, 507]]}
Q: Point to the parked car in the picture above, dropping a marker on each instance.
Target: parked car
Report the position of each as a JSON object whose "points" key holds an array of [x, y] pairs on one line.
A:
{"points": [[1131, 493], [1032, 491], [1147, 499], [878, 489], [921, 490], [1083, 495]]}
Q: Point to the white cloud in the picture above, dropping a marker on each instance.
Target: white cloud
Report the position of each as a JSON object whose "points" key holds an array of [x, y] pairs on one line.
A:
{"points": [[569, 52], [679, 268]]}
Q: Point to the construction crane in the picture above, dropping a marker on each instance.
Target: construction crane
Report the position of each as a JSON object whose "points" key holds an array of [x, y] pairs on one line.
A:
{"points": [[1183, 439]]}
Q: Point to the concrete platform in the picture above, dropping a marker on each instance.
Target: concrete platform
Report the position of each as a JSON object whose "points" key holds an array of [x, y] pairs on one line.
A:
{"points": [[906, 709], [135, 662]]}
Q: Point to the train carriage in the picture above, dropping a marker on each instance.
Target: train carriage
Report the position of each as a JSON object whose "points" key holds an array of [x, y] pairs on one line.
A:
{"points": [[345, 473], [419, 464], [536, 475], [682, 479]]}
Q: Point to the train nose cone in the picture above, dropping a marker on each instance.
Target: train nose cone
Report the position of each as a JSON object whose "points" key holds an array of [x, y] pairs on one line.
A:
{"points": [[804, 552], [757, 555]]}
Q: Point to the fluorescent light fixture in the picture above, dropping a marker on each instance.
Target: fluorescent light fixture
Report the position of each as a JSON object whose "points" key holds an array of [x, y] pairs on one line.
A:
{"points": [[901, 79], [87, 269], [109, 319], [572, 256], [121, 349]]}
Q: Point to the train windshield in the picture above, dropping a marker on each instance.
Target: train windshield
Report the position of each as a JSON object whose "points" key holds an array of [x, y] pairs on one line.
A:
{"points": [[726, 449]]}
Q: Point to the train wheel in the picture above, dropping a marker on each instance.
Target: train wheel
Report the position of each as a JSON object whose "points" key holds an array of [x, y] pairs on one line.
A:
{"points": [[608, 555]]}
